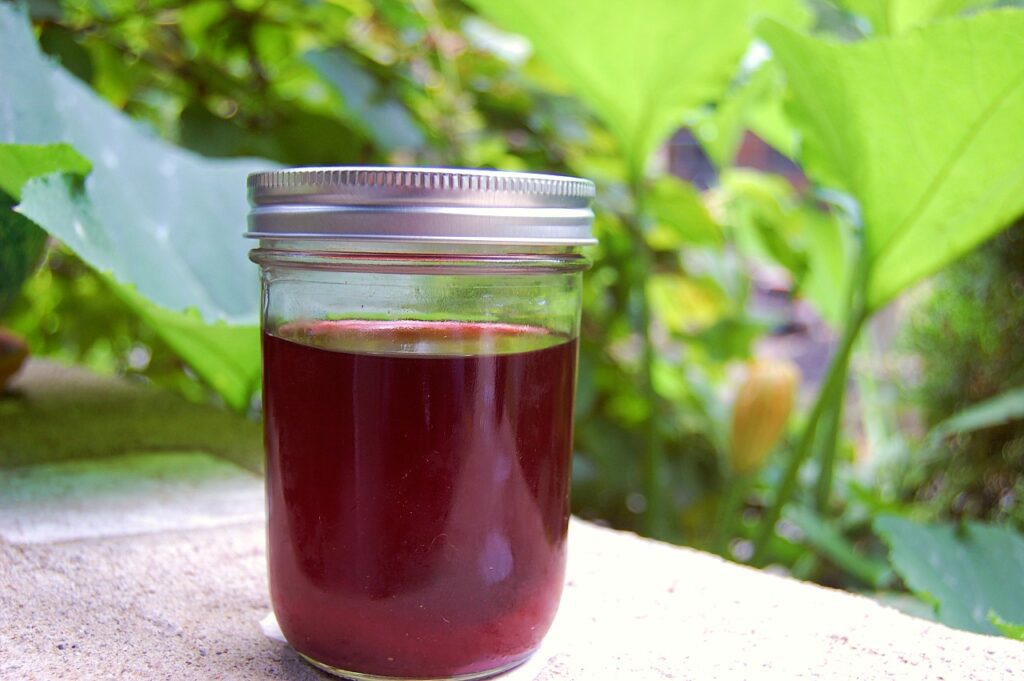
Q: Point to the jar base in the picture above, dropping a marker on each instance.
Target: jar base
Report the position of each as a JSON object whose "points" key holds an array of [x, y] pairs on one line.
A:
{"points": [[362, 676]]}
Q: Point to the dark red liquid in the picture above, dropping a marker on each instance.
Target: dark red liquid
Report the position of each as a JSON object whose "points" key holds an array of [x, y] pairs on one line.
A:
{"points": [[419, 498]]}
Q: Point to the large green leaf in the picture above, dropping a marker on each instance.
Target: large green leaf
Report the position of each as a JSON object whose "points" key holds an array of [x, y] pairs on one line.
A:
{"points": [[889, 17], [164, 220], [922, 129], [972, 573], [639, 65]]}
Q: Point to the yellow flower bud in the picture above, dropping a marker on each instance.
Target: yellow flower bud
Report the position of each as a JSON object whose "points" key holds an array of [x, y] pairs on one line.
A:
{"points": [[760, 413]]}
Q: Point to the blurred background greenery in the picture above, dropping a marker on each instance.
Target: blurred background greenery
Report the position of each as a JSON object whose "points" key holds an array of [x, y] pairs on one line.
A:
{"points": [[741, 293]]}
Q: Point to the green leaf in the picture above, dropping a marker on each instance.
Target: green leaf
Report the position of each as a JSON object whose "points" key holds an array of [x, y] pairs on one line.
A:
{"points": [[761, 209], [906, 603], [23, 242], [226, 357], [680, 216], [164, 220], [686, 305], [21, 247], [770, 220], [829, 245], [830, 541], [641, 66], [968, 571], [1007, 629], [384, 119], [754, 105], [733, 337], [935, 174], [21, 162], [151, 216], [1003, 408], [769, 121], [891, 17]]}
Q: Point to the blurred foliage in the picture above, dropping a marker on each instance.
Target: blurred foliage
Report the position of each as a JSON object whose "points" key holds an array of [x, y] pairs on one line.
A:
{"points": [[970, 572], [156, 220], [24, 241], [967, 335], [70, 313], [674, 306]]}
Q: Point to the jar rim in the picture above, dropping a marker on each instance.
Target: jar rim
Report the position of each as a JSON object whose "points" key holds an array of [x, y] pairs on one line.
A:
{"points": [[456, 205]]}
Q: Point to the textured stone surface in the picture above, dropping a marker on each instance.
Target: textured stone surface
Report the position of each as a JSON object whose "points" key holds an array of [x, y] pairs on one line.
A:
{"points": [[187, 604]]}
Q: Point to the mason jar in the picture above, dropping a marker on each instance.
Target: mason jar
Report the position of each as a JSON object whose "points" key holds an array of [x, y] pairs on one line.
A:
{"points": [[419, 361]]}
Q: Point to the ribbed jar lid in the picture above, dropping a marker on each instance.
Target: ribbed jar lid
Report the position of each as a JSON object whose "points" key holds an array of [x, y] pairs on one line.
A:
{"points": [[420, 204]]}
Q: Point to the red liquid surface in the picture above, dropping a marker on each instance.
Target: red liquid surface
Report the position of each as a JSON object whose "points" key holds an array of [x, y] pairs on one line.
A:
{"points": [[419, 499]]}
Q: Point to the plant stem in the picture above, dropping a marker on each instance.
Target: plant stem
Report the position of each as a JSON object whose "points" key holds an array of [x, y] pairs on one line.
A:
{"points": [[654, 478], [655, 513], [826, 444], [729, 512], [832, 386]]}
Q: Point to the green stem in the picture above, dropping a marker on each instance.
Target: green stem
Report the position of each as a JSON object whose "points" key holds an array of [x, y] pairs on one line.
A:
{"points": [[654, 477], [827, 441], [833, 385], [826, 445], [655, 515], [729, 512]]}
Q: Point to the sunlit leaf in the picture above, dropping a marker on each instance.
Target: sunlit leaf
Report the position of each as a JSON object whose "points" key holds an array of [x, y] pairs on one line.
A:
{"points": [[154, 217], [21, 162], [771, 221], [385, 119], [769, 121], [226, 357], [21, 241], [922, 129], [754, 105], [968, 571], [829, 246], [890, 17], [762, 211], [680, 216], [1007, 629], [639, 65], [685, 305], [167, 221]]}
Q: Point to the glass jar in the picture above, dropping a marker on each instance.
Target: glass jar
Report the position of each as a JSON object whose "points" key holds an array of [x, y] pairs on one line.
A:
{"points": [[419, 352]]}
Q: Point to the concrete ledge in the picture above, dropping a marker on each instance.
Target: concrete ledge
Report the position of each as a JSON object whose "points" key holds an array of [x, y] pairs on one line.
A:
{"points": [[184, 601], [187, 605]]}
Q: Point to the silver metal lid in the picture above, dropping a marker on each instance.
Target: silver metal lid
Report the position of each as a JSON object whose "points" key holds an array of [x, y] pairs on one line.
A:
{"points": [[420, 204]]}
